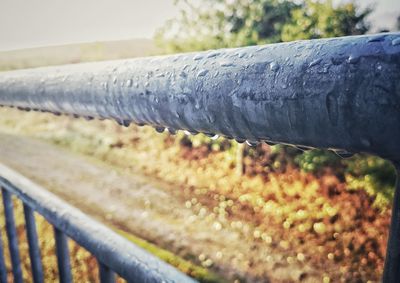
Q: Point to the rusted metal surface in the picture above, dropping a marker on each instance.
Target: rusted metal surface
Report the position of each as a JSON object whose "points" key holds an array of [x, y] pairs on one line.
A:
{"points": [[339, 93]]}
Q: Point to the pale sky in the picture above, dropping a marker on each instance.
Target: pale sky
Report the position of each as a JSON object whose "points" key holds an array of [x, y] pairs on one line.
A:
{"points": [[32, 23]]}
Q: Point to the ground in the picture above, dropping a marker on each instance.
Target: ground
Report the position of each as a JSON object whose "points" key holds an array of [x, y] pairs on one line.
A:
{"points": [[263, 226], [146, 207]]}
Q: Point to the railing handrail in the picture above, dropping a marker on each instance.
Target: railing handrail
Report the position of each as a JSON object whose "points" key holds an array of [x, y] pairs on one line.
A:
{"points": [[125, 258], [338, 93]]}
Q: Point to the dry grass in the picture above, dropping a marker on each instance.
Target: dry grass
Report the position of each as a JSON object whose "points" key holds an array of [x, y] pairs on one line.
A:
{"points": [[313, 219]]}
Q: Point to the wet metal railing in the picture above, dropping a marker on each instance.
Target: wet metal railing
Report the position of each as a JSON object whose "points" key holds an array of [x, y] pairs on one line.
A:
{"points": [[115, 255], [338, 93], [341, 94]]}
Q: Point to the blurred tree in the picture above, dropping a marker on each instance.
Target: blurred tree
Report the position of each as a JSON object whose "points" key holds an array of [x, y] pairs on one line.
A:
{"points": [[217, 23], [212, 24], [316, 19], [398, 23]]}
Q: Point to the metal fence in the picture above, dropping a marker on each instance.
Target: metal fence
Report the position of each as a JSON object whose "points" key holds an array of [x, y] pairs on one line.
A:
{"points": [[341, 94], [115, 255]]}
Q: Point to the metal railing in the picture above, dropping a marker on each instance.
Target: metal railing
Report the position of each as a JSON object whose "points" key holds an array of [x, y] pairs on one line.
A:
{"points": [[115, 255], [341, 94]]}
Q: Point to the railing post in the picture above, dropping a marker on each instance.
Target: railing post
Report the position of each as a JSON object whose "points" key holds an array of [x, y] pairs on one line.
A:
{"points": [[3, 269], [34, 251], [391, 273], [116, 254], [62, 252], [106, 274], [12, 236]]}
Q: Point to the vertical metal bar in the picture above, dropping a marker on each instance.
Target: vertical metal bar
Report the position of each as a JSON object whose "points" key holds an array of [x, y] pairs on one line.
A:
{"points": [[3, 269], [391, 273], [62, 252], [12, 236], [106, 274], [34, 251]]}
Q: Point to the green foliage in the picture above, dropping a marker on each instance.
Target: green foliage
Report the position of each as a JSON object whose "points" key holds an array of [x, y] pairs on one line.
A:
{"points": [[315, 160], [373, 174], [211, 24], [316, 19]]}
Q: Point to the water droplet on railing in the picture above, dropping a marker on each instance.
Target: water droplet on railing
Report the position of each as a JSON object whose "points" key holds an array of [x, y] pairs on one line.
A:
{"points": [[377, 38], [343, 153], [314, 62], [114, 80], [171, 131], [149, 75], [353, 59], [274, 66], [198, 57], [210, 118], [337, 60], [270, 143], [396, 41], [365, 142], [226, 64], [129, 83], [125, 123], [159, 129], [261, 48], [302, 148], [324, 70], [252, 143], [202, 73], [213, 54]]}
